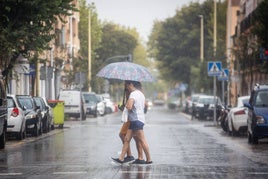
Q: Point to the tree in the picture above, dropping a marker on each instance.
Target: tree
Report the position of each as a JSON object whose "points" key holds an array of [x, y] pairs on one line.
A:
{"points": [[96, 34], [28, 26], [175, 44], [116, 41]]}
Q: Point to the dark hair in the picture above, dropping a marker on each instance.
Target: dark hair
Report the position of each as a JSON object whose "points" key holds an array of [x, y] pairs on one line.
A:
{"points": [[136, 84]]}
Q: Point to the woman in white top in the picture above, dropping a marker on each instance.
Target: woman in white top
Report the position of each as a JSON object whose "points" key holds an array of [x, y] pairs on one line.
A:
{"points": [[135, 105]]}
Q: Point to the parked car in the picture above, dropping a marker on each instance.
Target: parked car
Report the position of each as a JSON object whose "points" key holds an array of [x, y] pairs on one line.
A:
{"points": [[46, 119], [90, 100], [191, 103], [257, 120], [73, 103], [16, 119], [110, 106], [32, 113], [3, 113], [205, 106], [237, 117], [101, 105], [50, 113]]}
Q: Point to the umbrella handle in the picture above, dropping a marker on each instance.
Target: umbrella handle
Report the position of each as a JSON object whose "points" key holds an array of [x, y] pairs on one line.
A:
{"points": [[123, 103]]}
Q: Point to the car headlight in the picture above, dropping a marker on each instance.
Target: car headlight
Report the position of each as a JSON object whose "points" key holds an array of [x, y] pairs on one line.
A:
{"points": [[260, 120], [30, 116]]}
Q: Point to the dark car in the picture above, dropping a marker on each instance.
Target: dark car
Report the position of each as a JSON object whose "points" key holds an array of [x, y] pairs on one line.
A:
{"points": [[46, 119], [204, 108], [257, 120], [3, 113], [32, 114]]}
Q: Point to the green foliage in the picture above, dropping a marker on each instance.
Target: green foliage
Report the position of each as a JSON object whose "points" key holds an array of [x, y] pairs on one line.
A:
{"points": [[27, 26], [175, 44], [116, 41]]}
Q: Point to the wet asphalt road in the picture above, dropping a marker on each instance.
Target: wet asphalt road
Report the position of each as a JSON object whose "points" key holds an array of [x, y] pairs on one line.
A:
{"points": [[180, 148]]}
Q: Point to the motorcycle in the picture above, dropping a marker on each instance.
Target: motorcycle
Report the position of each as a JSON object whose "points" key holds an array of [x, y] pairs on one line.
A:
{"points": [[222, 118]]}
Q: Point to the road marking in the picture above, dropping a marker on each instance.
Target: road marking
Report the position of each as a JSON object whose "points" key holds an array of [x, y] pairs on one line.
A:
{"points": [[10, 174], [68, 173], [135, 172], [258, 173]]}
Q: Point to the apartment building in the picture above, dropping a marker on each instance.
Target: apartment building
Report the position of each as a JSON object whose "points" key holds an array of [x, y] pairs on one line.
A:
{"points": [[243, 50], [50, 74]]}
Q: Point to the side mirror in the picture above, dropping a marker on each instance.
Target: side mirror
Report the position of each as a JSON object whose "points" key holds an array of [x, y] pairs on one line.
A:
{"points": [[24, 108], [248, 105]]}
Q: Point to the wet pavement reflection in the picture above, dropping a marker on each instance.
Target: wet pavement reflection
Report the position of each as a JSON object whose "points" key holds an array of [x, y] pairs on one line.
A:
{"points": [[180, 148]]}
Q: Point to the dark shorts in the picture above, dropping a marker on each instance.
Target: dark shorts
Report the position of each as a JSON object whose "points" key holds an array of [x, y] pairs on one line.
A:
{"points": [[136, 125]]}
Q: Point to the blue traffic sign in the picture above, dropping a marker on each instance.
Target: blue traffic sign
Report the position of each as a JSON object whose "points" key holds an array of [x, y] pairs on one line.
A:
{"points": [[224, 75], [214, 68]]}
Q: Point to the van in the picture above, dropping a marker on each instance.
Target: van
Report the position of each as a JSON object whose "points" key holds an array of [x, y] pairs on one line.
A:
{"points": [[73, 103], [3, 112]]}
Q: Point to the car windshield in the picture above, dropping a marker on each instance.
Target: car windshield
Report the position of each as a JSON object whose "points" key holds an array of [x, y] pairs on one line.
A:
{"points": [[262, 99], [206, 100], [90, 98], [10, 103], [39, 103], [26, 102]]}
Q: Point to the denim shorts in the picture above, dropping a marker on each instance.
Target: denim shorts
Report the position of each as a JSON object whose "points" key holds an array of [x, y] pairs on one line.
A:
{"points": [[136, 125]]}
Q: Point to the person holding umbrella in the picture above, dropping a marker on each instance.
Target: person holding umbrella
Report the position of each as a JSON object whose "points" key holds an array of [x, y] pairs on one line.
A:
{"points": [[135, 105]]}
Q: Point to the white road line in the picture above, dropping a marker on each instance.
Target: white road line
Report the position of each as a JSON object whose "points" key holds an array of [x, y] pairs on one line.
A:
{"points": [[10, 174], [68, 173], [258, 173]]}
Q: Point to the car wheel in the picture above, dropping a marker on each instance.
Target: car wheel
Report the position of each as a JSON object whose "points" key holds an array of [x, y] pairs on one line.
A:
{"points": [[52, 127], [19, 135], [40, 128], [255, 139], [233, 131], [36, 130], [249, 138], [24, 133], [2, 140]]}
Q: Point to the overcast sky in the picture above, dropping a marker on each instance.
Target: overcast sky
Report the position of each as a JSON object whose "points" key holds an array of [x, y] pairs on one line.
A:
{"points": [[139, 14]]}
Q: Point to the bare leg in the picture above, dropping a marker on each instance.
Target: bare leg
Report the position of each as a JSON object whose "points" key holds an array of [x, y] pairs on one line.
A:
{"points": [[126, 144], [139, 148], [122, 137], [140, 136]]}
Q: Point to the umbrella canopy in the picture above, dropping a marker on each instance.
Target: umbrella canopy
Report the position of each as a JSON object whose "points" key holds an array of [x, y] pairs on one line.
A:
{"points": [[125, 71]]}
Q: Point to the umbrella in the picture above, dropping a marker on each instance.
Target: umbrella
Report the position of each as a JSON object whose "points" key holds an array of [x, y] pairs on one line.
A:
{"points": [[125, 71]]}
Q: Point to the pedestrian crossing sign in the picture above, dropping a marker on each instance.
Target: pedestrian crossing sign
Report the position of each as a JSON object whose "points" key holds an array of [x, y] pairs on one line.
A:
{"points": [[224, 75], [214, 68]]}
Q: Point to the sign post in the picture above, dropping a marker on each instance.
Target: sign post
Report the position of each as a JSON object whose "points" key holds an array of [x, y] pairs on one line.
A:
{"points": [[224, 77], [214, 69]]}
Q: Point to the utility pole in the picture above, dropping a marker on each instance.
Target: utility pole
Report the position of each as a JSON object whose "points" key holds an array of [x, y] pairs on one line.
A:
{"points": [[214, 55], [201, 38], [89, 51]]}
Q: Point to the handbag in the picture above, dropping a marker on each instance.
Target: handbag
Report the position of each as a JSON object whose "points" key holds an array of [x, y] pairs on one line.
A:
{"points": [[124, 117]]}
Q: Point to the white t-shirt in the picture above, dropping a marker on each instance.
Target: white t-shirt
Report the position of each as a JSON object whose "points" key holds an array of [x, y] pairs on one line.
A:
{"points": [[137, 112]]}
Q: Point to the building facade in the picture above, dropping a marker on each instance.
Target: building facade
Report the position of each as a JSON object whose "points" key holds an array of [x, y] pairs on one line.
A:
{"points": [[243, 49], [48, 76]]}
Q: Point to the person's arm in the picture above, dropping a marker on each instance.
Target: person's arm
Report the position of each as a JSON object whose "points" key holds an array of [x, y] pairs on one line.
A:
{"points": [[130, 103]]}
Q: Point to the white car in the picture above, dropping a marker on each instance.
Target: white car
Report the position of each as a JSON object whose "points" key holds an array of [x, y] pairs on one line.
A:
{"points": [[237, 117], [110, 105], [101, 105], [16, 118]]}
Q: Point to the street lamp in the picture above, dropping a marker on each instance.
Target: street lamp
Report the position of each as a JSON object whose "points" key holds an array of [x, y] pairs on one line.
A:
{"points": [[201, 38]]}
